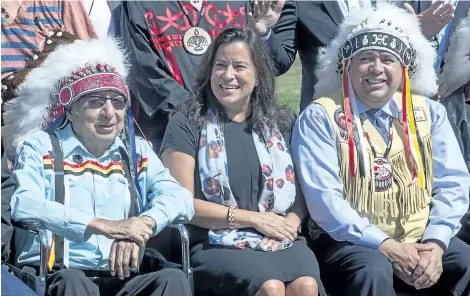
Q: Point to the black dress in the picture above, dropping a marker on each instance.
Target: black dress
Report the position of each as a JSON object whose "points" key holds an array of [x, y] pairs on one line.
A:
{"points": [[221, 270]]}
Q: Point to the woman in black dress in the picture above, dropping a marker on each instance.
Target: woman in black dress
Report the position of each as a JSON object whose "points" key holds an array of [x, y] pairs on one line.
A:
{"points": [[230, 147]]}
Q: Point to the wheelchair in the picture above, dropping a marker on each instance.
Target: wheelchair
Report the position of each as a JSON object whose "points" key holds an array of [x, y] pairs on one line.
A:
{"points": [[37, 279]]}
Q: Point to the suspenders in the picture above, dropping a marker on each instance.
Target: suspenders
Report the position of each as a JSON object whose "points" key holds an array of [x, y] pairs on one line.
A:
{"points": [[59, 195], [60, 192]]}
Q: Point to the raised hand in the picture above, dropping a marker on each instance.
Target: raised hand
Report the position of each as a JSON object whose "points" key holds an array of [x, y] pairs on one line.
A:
{"points": [[263, 16], [433, 19]]}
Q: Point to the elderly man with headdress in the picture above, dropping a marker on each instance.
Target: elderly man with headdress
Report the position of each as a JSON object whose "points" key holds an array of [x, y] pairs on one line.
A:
{"points": [[383, 178], [99, 191], [454, 93]]}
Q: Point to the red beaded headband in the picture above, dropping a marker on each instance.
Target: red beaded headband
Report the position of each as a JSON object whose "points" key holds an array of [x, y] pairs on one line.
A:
{"points": [[89, 79], [79, 83]]}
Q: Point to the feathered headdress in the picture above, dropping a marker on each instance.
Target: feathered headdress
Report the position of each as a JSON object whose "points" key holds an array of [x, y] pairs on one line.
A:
{"points": [[456, 70], [68, 73], [392, 29]]}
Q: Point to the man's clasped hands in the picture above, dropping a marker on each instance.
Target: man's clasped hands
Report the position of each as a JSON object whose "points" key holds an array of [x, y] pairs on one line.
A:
{"points": [[417, 264]]}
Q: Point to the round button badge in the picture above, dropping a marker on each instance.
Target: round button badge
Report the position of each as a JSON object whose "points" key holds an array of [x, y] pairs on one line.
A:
{"points": [[196, 40]]}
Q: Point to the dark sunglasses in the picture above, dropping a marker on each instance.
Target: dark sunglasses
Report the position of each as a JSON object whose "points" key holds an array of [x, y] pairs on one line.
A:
{"points": [[96, 102]]}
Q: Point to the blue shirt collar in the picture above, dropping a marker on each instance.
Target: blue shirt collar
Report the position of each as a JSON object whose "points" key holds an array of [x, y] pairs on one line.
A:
{"points": [[70, 142], [391, 108]]}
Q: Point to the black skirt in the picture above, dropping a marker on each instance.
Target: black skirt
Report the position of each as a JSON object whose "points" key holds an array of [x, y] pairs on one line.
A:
{"points": [[221, 270]]}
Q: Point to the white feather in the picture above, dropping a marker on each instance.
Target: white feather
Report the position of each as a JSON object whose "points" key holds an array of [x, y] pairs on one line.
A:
{"points": [[423, 82]]}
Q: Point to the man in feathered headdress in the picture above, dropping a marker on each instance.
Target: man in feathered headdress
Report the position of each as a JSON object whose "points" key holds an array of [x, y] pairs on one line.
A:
{"points": [[454, 93], [379, 165], [98, 191]]}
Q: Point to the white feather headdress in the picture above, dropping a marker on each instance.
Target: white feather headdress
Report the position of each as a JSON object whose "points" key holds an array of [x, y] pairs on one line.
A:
{"points": [[39, 99], [456, 70], [389, 28], [387, 18]]}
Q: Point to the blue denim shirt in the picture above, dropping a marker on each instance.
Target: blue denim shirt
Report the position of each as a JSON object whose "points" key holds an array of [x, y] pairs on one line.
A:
{"points": [[94, 187], [314, 152]]}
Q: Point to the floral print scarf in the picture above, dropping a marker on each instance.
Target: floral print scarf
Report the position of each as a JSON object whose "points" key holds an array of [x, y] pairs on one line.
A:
{"points": [[279, 189]]}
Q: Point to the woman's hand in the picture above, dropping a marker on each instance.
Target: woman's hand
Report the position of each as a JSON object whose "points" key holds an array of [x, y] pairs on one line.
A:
{"points": [[270, 244], [294, 221], [275, 226]]}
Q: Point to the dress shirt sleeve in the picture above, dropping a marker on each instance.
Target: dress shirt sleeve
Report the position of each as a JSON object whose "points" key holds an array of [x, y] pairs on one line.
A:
{"points": [[30, 198], [315, 156], [167, 202], [451, 179]]}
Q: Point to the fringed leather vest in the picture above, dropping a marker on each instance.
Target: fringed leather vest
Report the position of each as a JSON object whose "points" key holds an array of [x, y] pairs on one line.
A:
{"points": [[402, 210]]}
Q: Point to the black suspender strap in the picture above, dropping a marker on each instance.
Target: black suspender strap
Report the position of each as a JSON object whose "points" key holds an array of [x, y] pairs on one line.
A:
{"points": [[134, 209], [59, 195]]}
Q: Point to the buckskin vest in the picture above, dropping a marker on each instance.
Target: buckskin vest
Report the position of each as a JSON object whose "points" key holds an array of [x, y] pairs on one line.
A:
{"points": [[402, 210]]}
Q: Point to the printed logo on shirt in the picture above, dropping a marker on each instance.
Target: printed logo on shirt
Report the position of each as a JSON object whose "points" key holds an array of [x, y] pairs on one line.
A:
{"points": [[178, 22], [419, 114], [216, 18]]}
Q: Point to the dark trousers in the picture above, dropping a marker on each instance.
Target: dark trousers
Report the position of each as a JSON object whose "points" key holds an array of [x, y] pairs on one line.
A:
{"points": [[347, 269], [74, 282], [13, 286]]}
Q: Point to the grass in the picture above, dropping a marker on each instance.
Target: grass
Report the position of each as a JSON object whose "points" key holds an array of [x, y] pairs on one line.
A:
{"points": [[289, 85]]}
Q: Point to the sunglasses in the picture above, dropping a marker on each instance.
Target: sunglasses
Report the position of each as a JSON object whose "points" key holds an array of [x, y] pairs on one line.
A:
{"points": [[97, 102]]}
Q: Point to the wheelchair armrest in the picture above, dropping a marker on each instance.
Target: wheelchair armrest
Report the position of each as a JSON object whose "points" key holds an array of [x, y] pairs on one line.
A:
{"points": [[28, 225], [35, 227], [184, 248]]}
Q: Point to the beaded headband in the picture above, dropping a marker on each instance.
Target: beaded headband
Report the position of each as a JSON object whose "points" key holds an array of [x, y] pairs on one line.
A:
{"points": [[82, 81], [379, 40]]}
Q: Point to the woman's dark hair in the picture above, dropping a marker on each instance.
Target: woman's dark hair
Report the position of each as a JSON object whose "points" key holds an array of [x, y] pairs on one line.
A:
{"points": [[263, 100]]}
